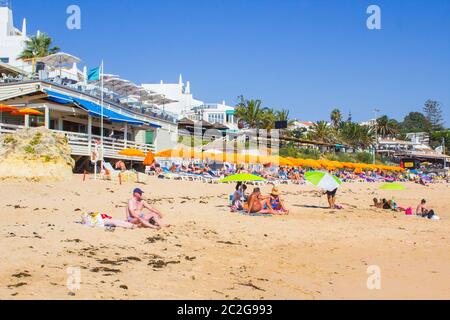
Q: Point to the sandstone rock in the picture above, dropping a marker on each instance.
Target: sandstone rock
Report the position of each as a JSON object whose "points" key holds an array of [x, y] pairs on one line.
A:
{"points": [[35, 154]]}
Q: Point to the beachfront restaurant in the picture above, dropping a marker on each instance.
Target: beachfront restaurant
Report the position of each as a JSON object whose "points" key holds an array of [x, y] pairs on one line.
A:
{"points": [[79, 116]]}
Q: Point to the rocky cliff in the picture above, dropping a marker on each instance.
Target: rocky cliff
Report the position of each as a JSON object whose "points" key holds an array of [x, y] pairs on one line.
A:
{"points": [[35, 154]]}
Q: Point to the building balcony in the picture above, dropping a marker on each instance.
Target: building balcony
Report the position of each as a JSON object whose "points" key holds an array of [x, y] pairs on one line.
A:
{"points": [[83, 144]]}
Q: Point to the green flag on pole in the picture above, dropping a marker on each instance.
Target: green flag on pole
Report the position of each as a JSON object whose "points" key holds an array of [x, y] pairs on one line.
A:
{"points": [[94, 74]]}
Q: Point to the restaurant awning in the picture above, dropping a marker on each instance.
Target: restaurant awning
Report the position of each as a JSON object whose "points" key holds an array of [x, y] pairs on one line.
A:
{"points": [[58, 97], [96, 110]]}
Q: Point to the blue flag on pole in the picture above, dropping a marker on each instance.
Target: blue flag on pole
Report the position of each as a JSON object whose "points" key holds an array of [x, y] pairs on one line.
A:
{"points": [[94, 74]]}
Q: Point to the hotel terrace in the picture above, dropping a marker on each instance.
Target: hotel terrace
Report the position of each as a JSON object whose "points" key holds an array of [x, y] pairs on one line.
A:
{"points": [[78, 114]]}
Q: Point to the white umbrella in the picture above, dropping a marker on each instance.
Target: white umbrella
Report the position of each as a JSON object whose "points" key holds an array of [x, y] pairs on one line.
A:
{"points": [[323, 180], [60, 59], [114, 83], [127, 89]]}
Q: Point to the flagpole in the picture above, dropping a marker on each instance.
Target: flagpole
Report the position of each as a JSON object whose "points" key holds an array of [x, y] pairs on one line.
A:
{"points": [[102, 112], [101, 79]]}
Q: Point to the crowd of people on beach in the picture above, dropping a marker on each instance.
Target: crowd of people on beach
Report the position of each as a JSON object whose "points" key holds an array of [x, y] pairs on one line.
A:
{"points": [[291, 175], [421, 210], [256, 203], [140, 214]]}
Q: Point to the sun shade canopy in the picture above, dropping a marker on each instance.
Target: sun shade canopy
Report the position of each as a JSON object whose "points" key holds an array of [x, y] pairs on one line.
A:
{"points": [[96, 110]]}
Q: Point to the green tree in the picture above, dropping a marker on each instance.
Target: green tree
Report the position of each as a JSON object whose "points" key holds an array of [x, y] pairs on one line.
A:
{"points": [[386, 127], [336, 117], [321, 132], [283, 115], [249, 111], [38, 47], [415, 122], [356, 135], [268, 118], [433, 112], [438, 137]]}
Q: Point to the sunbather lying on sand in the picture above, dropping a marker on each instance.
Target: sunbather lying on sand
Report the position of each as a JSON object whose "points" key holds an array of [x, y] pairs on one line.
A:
{"points": [[91, 219], [135, 209]]}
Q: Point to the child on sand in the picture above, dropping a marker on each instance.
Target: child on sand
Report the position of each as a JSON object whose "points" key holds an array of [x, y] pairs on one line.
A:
{"points": [[239, 197]]}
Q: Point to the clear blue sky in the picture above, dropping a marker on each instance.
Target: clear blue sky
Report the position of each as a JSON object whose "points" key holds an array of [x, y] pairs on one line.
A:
{"points": [[304, 55]]}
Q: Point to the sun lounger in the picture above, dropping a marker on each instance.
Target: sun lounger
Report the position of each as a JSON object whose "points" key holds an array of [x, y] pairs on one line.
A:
{"points": [[109, 171]]}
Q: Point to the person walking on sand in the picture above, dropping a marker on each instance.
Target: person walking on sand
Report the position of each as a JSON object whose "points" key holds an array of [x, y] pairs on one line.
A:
{"points": [[136, 206], [331, 196]]}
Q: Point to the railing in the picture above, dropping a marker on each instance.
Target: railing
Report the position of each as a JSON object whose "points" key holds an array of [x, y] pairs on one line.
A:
{"points": [[155, 113], [80, 145]]}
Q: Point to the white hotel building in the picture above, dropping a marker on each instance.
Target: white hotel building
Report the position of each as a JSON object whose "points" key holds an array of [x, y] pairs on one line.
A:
{"points": [[12, 40], [186, 106]]}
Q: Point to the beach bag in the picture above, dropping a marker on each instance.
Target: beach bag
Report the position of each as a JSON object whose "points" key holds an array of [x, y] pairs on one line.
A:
{"points": [[409, 211], [93, 220]]}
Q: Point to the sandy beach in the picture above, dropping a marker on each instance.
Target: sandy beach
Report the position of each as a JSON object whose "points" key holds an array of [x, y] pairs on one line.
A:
{"points": [[211, 253]]}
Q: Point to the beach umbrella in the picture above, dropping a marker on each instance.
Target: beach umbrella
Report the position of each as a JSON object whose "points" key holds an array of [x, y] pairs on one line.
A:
{"points": [[25, 112], [149, 159], [5, 108], [132, 153], [285, 162], [392, 186], [323, 180], [58, 60], [242, 177]]}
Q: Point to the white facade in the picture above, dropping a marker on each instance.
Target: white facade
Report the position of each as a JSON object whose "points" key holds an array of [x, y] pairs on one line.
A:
{"points": [[179, 92], [299, 125], [214, 113], [370, 123], [419, 138], [12, 40]]}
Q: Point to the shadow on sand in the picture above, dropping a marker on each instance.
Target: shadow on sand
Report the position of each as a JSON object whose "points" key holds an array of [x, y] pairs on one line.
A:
{"points": [[310, 207]]}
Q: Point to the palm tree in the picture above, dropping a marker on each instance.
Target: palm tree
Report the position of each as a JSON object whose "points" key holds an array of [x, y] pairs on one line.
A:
{"points": [[249, 111], [38, 47], [386, 127], [355, 135], [366, 137], [268, 119], [336, 117], [282, 115], [321, 132]]}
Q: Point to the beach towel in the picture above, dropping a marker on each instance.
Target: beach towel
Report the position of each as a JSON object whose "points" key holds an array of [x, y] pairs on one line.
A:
{"points": [[245, 213], [93, 220]]}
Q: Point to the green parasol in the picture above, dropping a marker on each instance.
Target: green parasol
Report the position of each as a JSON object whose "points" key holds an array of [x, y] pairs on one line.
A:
{"points": [[242, 177]]}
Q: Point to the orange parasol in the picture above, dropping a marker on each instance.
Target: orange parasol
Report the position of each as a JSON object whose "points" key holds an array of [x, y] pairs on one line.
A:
{"points": [[24, 112], [132, 153], [5, 108], [149, 159]]}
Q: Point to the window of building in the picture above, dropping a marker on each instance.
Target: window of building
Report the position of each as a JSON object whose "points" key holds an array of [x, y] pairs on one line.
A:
{"points": [[216, 117], [4, 60]]}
